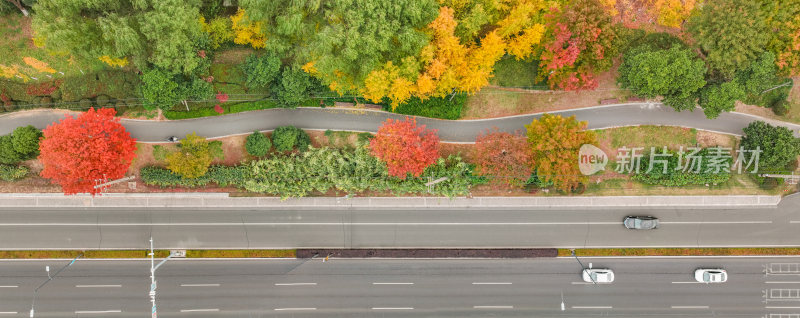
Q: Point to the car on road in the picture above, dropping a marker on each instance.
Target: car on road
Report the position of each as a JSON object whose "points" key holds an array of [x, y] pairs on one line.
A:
{"points": [[709, 275], [598, 275], [640, 222]]}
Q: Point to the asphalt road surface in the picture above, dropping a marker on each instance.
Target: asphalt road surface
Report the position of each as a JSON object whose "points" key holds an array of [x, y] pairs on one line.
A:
{"points": [[99, 228], [654, 287], [362, 120]]}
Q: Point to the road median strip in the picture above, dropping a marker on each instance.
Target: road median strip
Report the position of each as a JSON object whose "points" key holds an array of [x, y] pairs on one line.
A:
{"points": [[100, 254], [679, 252]]}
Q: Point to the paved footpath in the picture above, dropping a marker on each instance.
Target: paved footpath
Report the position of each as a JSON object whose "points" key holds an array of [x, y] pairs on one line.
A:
{"points": [[222, 200], [461, 131]]}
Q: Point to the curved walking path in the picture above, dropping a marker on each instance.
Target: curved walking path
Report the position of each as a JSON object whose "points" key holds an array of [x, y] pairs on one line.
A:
{"points": [[460, 131]]}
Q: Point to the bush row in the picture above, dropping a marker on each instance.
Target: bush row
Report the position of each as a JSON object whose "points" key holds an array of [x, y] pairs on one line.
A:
{"points": [[13, 173]]}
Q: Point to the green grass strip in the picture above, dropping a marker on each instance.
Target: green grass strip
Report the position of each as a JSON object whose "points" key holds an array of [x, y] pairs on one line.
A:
{"points": [[680, 251], [143, 254]]}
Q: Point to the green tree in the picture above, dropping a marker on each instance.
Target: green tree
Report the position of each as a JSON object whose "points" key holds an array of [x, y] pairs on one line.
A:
{"points": [[778, 145], [718, 98], [293, 88], [159, 90], [257, 144], [261, 70], [675, 74], [731, 33], [345, 39], [288, 138], [26, 141], [7, 153], [164, 33], [193, 156]]}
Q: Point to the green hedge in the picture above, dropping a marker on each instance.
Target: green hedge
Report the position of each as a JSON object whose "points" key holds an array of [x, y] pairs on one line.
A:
{"points": [[434, 107], [676, 178], [229, 109], [221, 175]]}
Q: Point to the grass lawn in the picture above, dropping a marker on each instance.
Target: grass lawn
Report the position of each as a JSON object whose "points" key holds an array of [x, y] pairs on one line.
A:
{"points": [[16, 44], [510, 72]]}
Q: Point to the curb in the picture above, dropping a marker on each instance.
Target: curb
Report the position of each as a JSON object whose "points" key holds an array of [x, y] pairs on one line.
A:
{"points": [[223, 200]]}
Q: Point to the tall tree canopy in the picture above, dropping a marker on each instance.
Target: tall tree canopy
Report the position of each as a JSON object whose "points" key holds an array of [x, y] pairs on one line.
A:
{"points": [[503, 158], [676, 74], [405, 147], [164, 33], [778, 145], [77, 151], [731, 33], [579, 44], [783, 24], [554, 142]]}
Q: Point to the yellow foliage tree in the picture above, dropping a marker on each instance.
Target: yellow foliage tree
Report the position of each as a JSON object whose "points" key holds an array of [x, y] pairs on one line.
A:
{"points": [[554, 142], [246, 31], [38, 65], [113, 62], [671, 13]]}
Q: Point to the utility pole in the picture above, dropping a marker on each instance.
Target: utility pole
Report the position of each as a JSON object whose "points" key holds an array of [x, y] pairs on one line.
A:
{"points": [[583, 268], [49, 278], [153, 277]]}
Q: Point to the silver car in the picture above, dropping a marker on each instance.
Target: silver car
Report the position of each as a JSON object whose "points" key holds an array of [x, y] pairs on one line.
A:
{"points": [[640, 222]]}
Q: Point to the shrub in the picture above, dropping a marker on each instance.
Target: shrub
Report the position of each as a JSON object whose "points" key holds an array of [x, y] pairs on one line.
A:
{"points": [[261, 70], [780, 107], [101, 101], [85, 103], [120, 106], [7, 153], [25, 141], [288, 138], [221, 175], [257, 144], [13, 173], [10, 106], [193, 157], [770, 183], [46, 101], [159, 153], [159, 90]]}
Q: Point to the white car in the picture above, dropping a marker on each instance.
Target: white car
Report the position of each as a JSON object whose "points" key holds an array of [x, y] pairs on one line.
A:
{"points": [[598, 275], [709, 275]]}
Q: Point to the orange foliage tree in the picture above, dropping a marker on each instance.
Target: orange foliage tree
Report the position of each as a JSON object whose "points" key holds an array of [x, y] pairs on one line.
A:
{"points": [[579, 44], [405, 147], [77, 151], [503, 158], [554, 142]]}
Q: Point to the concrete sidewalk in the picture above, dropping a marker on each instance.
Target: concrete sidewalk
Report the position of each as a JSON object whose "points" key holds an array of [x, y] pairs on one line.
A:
{"points": [[222, 200]]}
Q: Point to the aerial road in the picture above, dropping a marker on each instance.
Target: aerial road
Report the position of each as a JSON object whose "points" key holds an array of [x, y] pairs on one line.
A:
{"points": [[651, 287], [121, 228]]}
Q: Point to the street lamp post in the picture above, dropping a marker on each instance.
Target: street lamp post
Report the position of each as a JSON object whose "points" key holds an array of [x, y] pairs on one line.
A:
{"points": [[153, 269], [583, 268], [49, 278]]}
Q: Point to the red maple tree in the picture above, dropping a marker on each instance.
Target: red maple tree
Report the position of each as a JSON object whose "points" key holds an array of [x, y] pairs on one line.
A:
{"points": [[405, 147], [77, 151], [504, 158]]}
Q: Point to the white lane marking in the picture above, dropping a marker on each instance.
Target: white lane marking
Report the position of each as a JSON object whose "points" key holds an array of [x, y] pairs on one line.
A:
{"points": [[716, 222], [199, 285], [392, 308], [97, 311], [200, 310], [782, 282], [492, 283], [777, 307], [687, 283], [97, 286], [493, 307], [9, 286], [592, 307], [689, 307], [298, 308], [295, 284], [392, 283]]}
